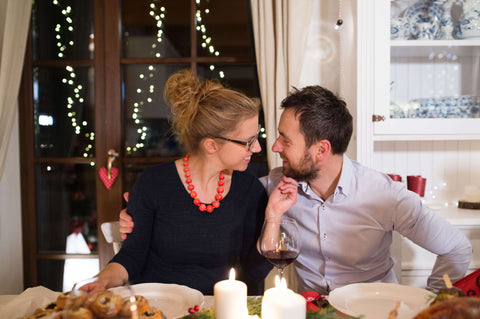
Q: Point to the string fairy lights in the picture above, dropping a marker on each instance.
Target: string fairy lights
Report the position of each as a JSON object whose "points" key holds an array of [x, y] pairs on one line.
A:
{"points": [[145, 92], [74, 99], [207, 42]]}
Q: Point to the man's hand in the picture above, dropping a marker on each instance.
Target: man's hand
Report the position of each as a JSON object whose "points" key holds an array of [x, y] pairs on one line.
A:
{"points": [[282, 198], [126, 222]]}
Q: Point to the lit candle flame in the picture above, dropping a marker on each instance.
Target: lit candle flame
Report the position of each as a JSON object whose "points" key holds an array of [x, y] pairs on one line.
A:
{"points": [[280, 283], [232, 274]]}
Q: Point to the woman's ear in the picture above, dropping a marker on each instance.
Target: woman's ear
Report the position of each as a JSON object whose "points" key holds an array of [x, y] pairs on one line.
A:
{"points": [[210, 145]]}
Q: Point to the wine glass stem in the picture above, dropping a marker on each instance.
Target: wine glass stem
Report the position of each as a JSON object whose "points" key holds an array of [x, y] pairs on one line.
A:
{"points": [[280, 272]]}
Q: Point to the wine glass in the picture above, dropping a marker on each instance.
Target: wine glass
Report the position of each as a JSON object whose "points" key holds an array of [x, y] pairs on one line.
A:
{"points": [[280, 242]]}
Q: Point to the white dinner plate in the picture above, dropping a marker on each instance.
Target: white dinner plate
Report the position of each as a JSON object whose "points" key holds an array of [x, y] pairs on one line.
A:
{"points": [[376, 300], [173, 300]]}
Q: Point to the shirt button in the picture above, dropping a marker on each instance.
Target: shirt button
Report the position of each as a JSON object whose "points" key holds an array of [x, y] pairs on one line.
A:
{"points": [[324, 236]]}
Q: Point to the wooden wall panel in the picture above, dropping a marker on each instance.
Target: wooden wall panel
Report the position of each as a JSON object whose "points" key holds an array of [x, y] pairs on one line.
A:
{"points": [[449, 166]]}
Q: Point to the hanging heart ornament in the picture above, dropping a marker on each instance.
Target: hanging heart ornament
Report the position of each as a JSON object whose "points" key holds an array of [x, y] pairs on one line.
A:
{"points": [[103, 173]]}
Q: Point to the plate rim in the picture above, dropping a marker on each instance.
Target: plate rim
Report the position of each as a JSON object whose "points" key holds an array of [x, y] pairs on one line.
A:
{"points": [[383, 287], [154, 286]]}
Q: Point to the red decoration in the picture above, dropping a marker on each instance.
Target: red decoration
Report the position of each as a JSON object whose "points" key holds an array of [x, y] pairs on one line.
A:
{"points": [[315, 301], [104, 176], [196, 201], [194, 309], [470, 284], [416, 183]]}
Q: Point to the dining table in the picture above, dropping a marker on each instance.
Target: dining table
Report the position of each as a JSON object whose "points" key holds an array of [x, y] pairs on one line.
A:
{"points": [[13, 306]]}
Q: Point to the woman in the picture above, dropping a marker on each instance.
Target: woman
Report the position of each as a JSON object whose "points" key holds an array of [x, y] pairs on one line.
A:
{"points": [[199, 216]]}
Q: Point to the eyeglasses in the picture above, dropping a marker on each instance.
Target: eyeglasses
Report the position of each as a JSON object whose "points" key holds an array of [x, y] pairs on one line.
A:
{"points": [[248, 143]]}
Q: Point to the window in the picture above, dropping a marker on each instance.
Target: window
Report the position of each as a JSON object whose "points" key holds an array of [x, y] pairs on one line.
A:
{"points": [[93, 81]]}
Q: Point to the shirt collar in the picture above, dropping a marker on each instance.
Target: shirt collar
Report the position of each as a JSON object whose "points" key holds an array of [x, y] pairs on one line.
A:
{"points": [[344, 183], [346, 176]]}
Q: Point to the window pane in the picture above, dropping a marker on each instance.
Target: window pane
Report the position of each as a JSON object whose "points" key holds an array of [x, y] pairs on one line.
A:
{"points": [[50, 273], [66, 204], [64, 111], [61, 275], [224, 28], [156, 28], [147, 114], [62, 29], [238, 76], [131, 173]]}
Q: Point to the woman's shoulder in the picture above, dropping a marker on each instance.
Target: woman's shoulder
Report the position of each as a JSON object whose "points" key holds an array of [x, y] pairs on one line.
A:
{"points": [[152, 174]]}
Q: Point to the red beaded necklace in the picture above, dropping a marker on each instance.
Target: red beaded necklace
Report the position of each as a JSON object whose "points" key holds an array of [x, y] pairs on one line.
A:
{"points": [[196, 201]]}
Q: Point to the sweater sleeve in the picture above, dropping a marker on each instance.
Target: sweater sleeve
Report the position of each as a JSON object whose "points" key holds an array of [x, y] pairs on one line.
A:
{"points": [[253, 265], [134, 251]]}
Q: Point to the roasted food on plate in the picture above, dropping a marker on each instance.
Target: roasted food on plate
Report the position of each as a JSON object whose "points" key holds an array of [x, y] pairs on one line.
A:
{"points": [[449, 293], [452, 308], [102, 304]]}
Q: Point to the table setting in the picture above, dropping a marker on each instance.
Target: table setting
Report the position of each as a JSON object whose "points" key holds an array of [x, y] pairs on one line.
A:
{"points": [[280, 244], [230, 300]]}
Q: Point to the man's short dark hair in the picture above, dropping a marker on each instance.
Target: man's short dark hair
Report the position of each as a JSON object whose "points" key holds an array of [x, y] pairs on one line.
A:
{"points": [[322, 116]]}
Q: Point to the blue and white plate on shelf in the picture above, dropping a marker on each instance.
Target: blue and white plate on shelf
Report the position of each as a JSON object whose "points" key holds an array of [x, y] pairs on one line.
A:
{"points": [[426, 11], [468, 27]]}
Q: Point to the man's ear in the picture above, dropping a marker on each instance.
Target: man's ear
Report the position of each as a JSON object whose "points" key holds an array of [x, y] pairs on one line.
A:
{"points": [[210, 145], [323, 148]]}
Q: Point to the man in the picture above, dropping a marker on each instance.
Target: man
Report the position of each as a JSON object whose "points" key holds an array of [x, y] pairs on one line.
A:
{"points": [[347, 212]]}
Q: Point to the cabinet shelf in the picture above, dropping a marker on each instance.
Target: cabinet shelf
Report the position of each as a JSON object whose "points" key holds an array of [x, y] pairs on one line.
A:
{"points": [[427, 129], [435, 43], [460, 48]]}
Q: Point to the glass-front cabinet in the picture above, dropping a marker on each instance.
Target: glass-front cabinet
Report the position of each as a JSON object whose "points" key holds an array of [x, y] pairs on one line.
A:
{"points": [[418, 109], [429, 71]]}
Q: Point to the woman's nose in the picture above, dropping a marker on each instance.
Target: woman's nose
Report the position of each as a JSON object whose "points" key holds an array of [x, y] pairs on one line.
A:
{"points": [[256, 147]]}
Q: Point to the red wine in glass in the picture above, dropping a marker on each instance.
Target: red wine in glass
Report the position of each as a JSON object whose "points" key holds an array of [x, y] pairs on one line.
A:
{"points": [[281, 258], [280, 242]]}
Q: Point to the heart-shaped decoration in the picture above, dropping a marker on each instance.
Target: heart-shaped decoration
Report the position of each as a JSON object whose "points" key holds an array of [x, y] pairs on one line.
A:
{"points": [[103, 173]]}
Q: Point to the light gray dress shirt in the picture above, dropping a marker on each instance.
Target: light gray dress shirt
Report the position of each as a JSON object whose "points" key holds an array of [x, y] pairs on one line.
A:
{"points": [[346, 238]]}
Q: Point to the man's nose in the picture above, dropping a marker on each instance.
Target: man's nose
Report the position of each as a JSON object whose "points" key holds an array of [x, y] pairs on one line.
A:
{"points": [[276, 146]]}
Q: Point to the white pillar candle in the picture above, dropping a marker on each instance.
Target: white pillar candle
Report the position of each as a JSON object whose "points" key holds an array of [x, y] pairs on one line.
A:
{"points": [[230, 298], [282, 303]]}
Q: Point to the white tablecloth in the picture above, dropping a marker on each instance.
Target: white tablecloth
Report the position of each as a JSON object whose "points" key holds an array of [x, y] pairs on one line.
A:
{"points": [[15, 306]]}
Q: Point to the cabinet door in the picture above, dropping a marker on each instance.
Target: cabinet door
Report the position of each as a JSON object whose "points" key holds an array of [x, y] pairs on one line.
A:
{"points": [[428, 86]]}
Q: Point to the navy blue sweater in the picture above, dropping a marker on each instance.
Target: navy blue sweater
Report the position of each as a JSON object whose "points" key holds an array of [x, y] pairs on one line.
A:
{"points": [[173, 242]]}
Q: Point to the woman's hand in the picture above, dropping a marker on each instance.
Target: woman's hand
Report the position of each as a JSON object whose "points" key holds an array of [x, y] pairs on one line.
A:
{"points": [[113, 275], [282, 198], [94, 286], [126, 222]]}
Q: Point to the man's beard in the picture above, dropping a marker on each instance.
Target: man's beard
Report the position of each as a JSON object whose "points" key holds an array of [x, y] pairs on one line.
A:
{"points": [[307, 171]]}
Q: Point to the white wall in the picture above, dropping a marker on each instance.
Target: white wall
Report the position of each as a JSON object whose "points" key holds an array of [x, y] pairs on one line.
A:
{"points": [[11, 265]]}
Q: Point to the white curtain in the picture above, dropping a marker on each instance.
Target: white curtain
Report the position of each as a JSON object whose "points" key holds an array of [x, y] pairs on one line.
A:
{"points": [[280, 31], [14, 23], [296, 44]]}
